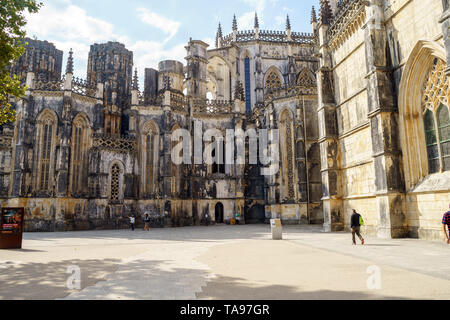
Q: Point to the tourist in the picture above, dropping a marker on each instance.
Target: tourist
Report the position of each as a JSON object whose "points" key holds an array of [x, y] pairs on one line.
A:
{"points": [[238, 218], [356, 223], [132, 222], [446, 222], [147, 222]]}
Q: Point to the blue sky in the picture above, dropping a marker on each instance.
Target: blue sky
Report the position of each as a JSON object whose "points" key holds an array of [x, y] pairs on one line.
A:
{"points": [[155, 30]]}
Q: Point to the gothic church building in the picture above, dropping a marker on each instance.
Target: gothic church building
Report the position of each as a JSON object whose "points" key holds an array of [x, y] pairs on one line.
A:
{"points": [[360, 103]]}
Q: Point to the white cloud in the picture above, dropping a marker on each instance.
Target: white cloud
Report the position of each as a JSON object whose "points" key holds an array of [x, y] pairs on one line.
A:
{"points": [[68, 26], [164, 24], [246, 21]]}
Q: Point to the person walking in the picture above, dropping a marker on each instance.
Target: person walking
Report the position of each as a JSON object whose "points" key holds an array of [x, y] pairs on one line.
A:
{"points": [[356, 223], [146, 222], [132, 222], [446, 222]]}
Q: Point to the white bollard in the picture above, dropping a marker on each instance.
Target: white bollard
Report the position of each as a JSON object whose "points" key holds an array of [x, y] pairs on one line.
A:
{"points": [[277, 229]]}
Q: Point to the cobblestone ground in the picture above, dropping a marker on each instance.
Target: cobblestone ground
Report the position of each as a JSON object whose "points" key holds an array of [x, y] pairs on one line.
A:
{"points": [[223, 262]]}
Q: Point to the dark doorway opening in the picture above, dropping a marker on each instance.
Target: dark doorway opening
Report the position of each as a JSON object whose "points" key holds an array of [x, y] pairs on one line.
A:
{"points": [[255, 215], [219, 212]]}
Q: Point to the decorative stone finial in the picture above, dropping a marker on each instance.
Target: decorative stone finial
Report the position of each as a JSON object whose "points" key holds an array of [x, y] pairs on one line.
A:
{"points": [[256, 21], [235, 26], [288, 23]]}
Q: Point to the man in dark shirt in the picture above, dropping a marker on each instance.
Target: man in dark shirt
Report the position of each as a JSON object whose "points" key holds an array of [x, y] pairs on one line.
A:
{"points": [[356, 227], [446, 222]]}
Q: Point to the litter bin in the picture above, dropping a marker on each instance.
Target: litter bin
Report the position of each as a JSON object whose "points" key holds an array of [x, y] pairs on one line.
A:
{"points": [[277, 229]]}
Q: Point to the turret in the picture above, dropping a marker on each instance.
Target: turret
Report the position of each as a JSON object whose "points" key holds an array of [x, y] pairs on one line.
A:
{"points": [[196, 68], [170, 76]]}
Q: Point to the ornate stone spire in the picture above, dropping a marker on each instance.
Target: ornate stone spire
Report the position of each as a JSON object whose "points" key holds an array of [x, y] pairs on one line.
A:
{"points": [[288, 23], [219, 31], [235, 26], [69, 68], [135, 85], [219, 36], [313, 15], [256, 21], [326, 14]]}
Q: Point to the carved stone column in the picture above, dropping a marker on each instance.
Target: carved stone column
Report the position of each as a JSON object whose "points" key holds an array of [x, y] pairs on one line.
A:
{"points": [[383, 115], [329, 144]]}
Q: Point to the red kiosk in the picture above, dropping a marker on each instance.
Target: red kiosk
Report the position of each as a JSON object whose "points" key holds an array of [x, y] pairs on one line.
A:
{"points": [[11, 228]]}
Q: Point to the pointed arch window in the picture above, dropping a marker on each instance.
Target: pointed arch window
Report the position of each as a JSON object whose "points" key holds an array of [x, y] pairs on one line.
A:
{"points": [[273, 80], [436, 118], [115, 182], [444, 135], [46, 141], [149, 163], [79, 172], [248, 96], [46, 156], [287, 127]]}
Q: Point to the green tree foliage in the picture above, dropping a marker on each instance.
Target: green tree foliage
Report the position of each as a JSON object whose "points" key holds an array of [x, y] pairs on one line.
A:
{"points": [[12, 34]]}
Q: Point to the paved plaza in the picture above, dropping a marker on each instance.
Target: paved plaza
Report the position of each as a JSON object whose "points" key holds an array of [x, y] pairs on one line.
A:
{"points": [[223, 262]]}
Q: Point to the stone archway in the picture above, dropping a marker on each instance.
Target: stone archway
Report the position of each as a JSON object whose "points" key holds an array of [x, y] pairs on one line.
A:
{"points": [[219, 213]]}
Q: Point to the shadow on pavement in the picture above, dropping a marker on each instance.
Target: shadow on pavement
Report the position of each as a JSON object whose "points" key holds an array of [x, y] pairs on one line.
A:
{"points": [[227, 288], [36, 281]]}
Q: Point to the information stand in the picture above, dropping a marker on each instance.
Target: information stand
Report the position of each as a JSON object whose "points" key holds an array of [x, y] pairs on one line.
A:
{"points": [[11, 228]]}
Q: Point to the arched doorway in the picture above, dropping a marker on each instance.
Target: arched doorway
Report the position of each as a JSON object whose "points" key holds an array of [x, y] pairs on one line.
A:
{"points": [[219, 212], [255, 215]]}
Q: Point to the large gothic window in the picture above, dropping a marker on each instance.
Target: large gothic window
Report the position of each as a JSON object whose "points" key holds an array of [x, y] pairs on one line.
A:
{"points": [[46, 156], [79, 155], [444, 135], [248, 101], [287, 147], [273, 80], [149, 158], [46, 135], [149, 162], [436, 118]]}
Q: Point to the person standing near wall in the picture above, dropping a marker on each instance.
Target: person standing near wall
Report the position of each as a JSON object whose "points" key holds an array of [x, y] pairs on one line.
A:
{"points": [[132, 222], [446, 222], [147, 222], [356, 222]]}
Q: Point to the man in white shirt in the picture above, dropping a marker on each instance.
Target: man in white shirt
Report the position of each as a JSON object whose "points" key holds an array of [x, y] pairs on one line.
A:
{"points": [[132, 222]]}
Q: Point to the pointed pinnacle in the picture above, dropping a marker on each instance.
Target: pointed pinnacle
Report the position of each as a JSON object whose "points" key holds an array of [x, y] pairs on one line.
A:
{"points": [[69, 68], [235, 26], [256, 21], [135, 80], [313, 15], [288, 23]]}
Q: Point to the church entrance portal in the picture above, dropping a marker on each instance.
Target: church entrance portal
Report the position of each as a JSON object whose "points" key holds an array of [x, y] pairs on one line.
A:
{"points": [[219, 212]]}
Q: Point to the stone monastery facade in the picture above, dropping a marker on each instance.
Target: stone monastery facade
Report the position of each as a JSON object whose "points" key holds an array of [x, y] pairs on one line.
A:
{"points": [[360, 104]]}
